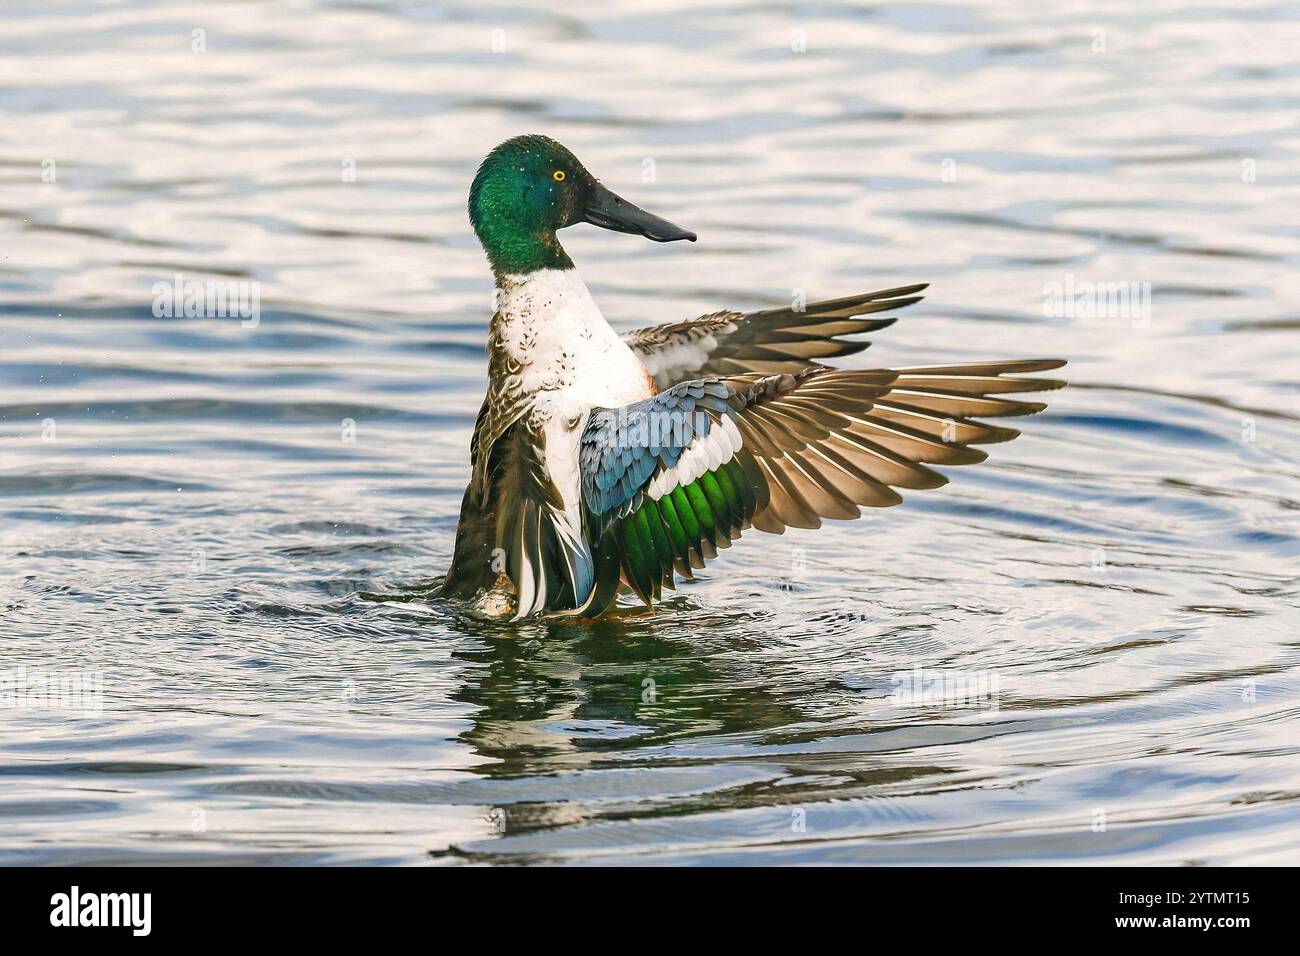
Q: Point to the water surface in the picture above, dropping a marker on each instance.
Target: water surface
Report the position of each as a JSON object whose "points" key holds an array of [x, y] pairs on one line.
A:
{"points": [[237, 527]]}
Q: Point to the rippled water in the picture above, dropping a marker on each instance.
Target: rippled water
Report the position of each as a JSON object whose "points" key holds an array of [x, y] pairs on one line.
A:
{"points": [[184, 513]]}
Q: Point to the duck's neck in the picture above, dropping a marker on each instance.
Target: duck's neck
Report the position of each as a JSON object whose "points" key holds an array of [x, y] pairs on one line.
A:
{"points": [[516, 248]]}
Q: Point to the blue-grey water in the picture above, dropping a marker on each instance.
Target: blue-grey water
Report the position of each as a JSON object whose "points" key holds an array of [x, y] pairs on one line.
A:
{"points": [[229, 530]]}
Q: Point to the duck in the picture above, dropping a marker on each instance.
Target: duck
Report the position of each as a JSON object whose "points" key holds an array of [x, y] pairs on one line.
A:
{"points": [[607, 468]]}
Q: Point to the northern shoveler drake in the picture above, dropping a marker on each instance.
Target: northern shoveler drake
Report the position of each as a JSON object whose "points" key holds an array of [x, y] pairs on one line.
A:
{"points": [[603, 463]]}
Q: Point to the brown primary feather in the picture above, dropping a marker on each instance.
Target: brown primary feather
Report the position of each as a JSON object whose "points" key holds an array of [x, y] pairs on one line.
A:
{"points": [[827, 441]]}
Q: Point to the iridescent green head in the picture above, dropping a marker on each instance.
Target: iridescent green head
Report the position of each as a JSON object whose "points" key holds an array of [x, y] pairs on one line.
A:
{"points": [[531, 186]]}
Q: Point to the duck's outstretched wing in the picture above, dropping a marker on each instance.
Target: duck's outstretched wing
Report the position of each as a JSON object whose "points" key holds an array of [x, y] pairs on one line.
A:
{"points": [[669, 480], [769, 342]]}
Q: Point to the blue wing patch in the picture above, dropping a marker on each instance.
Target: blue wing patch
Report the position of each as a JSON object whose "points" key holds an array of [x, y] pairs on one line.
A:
{"points": [[622, 447]]}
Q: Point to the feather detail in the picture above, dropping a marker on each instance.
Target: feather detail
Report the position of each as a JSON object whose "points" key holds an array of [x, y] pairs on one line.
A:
{"points": [[778, 451], [769, 341]]}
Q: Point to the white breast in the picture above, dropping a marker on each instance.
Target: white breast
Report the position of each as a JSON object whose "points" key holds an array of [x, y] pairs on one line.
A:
{"points": [[570, 360], [551, 327]]}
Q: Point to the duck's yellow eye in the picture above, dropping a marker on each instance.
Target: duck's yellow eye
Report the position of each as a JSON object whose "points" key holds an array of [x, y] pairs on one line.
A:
{"points": [[558, 175]]}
